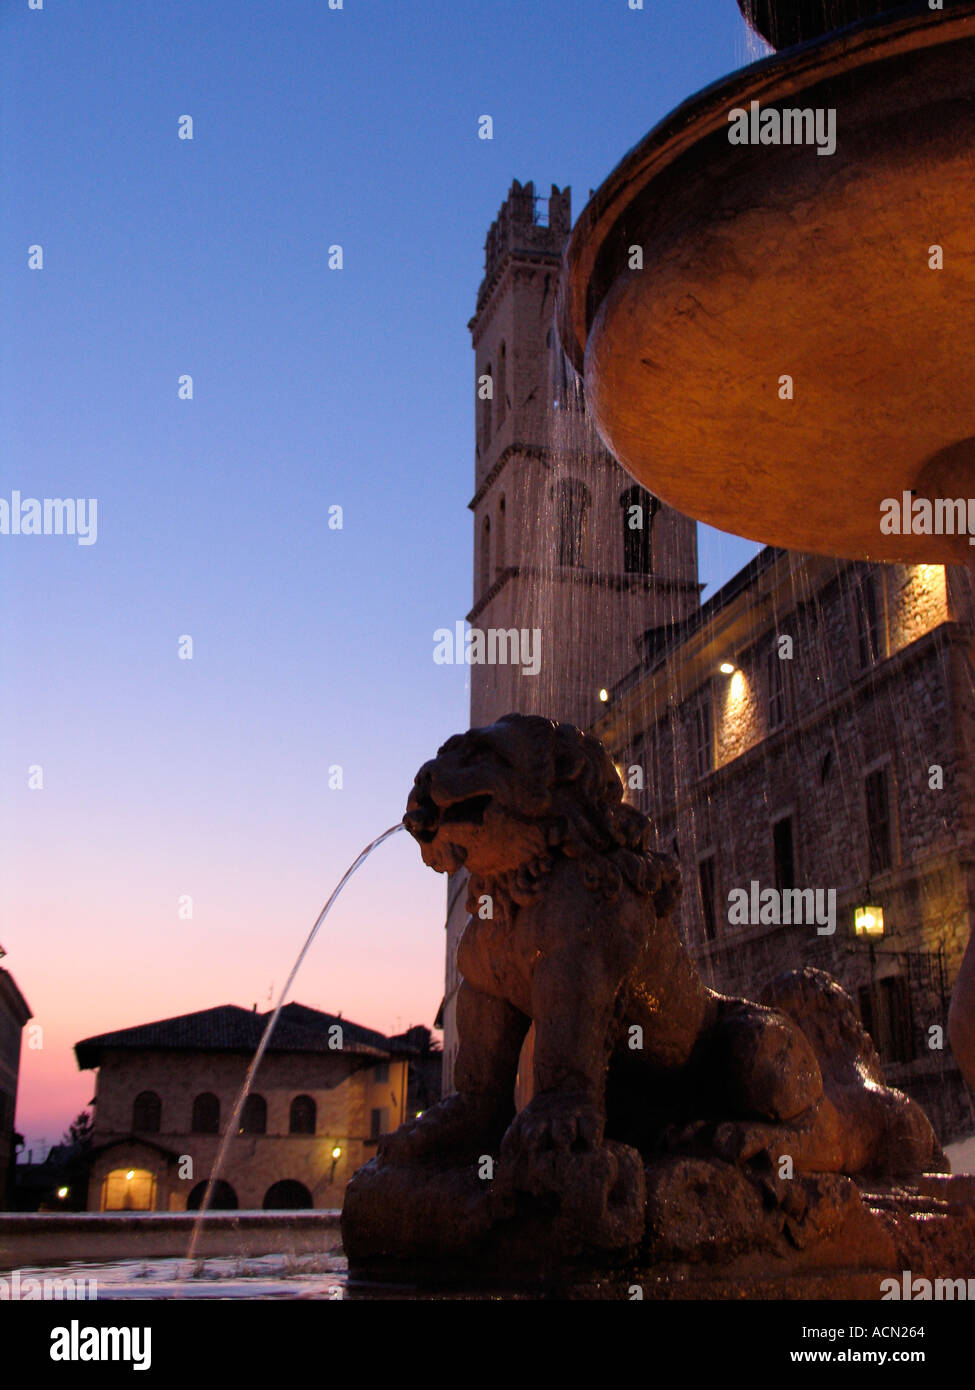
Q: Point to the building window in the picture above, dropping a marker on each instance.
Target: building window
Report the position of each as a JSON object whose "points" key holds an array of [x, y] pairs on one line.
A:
{"points": [[885, 1008], [129, 1189], [572, 500], [879, 827], [501, 385], [499, 538], [485, 556], [147, 1113], [303, 1115], [639, 509], [253, 1119], [223, 1197], [484, 405], [379, 1122], [287, 1195], [782, 851], [206, 1114], [776, 688], [704, 735], [870, 636], [708, 884], [380, 1072]]}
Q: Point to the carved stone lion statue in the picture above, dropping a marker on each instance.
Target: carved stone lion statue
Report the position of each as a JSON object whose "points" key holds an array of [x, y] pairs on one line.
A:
{"points": [[634, 1057]]}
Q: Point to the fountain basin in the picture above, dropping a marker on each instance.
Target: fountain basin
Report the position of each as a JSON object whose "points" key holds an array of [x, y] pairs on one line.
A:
{"points": [[762, 262]]}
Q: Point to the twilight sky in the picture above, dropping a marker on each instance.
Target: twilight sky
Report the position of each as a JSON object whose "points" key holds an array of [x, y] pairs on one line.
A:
{"points": [[312, 387]]}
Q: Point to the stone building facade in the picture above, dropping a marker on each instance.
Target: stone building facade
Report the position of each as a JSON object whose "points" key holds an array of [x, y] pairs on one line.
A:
{"points": [[14, 1013], [806, 730], [834, 751], [325, 1091]]}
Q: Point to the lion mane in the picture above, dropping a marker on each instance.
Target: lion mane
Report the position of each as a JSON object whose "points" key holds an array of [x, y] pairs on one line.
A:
{"points": [[576, 797]]}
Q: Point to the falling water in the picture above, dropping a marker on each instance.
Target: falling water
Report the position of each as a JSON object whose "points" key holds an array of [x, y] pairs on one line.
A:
{"points": [[231, 1129]]}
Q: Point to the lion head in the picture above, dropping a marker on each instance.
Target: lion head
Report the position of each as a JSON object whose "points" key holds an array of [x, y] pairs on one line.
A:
{"points": [[506, 800]]}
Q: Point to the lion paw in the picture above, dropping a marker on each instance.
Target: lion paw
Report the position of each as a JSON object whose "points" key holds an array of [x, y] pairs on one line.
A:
{"points": [[458, 1125], [567, 1122]]}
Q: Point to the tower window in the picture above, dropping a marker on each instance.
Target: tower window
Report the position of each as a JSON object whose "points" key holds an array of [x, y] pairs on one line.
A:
{"points": [[571, 510], [639, 509], [501, 386], [485, 555], [484, 403], [499, 539]]}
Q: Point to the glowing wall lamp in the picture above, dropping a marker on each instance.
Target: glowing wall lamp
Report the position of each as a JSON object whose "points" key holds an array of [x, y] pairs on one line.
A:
{"points": [[727, 668], [868, 921], [604, 695], [336, 1155]]}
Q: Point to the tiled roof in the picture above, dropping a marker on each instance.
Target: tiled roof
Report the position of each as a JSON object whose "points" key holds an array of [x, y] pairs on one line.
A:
{"points": [[229, 1028]]}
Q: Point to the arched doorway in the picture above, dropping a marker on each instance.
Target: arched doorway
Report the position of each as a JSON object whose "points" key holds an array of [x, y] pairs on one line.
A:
{"points": [[224, 1197], [287, 1195], [129, 1189]]}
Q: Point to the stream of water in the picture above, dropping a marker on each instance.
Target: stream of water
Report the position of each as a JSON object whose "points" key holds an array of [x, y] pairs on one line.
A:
{"points": [[234, 1122]]}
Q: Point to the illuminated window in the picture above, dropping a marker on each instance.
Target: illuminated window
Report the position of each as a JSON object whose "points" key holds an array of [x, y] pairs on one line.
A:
{"points": [[129, 1189]]}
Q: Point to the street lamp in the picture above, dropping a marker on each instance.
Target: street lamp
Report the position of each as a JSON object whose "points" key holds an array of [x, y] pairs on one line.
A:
{"points": [[868, 921]]}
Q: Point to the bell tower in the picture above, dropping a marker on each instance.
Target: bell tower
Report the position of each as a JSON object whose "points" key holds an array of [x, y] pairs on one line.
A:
{"points": [[573, 562]]}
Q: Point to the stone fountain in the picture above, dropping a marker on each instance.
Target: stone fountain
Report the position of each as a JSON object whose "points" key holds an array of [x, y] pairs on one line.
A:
{"points": [[693, 1144], [771, 333], [789, 363]]}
